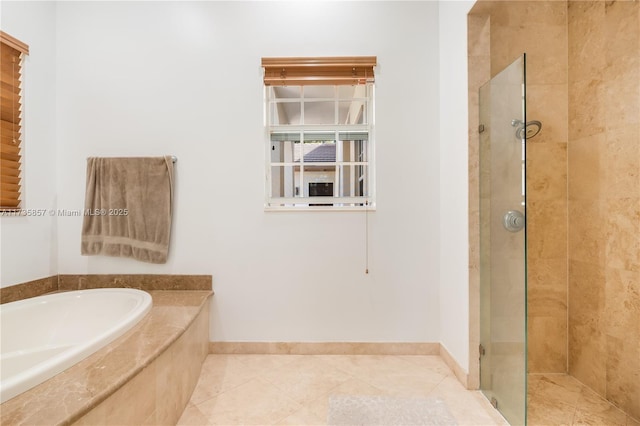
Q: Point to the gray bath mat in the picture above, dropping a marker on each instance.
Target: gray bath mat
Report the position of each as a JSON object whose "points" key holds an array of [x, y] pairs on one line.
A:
{"points": [[387, 411]]}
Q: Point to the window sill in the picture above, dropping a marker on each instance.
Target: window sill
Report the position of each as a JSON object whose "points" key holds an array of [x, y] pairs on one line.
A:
{"points": [[319, 209]]}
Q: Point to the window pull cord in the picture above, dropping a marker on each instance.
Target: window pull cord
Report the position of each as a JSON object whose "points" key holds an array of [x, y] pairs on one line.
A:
{"points": [[366, 237]]}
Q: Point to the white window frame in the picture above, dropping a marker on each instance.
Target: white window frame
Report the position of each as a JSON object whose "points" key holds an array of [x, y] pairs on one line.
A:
{"points": [[338, 202]]}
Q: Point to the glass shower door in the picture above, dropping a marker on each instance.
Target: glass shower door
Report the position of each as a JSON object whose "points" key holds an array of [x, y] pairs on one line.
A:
{"points": [[502, 243]]}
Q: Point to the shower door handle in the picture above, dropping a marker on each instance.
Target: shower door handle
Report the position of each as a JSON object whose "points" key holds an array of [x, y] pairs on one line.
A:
{"points": [[513, 221]]}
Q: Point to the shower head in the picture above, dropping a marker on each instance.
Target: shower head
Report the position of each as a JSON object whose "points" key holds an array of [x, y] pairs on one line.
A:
{"points": [[528, 130]]}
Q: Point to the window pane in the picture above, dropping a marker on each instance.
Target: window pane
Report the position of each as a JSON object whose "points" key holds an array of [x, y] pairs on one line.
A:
{"points": [[354, 181], [285, 92], [319, 92], [283, 181], [346, 92], [325, 155], [285, 113], [319, 151], [319, 113], [319, 183], [354, 151], [351, 112], [283, 151]]}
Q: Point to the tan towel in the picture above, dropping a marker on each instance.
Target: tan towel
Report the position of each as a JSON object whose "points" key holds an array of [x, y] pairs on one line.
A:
{"points": [[128, 208]]}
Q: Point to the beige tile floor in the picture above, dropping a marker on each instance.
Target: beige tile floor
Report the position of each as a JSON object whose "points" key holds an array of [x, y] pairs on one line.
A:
{"points": [[295, 389], [559, 399]]}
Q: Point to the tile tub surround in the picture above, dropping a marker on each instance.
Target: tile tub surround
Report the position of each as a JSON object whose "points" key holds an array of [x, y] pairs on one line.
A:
{"points": [[67, 282], [29, 289], [150, 356], [139, 281]]}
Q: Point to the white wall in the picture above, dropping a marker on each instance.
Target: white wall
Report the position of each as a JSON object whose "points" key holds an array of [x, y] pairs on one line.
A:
{"points": [[454, 212], [152, 78], [29, 244]]}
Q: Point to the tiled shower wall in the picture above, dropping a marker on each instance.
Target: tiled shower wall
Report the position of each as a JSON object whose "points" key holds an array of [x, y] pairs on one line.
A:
{"points": [[509, 29], [583, 188], [604, 198]]}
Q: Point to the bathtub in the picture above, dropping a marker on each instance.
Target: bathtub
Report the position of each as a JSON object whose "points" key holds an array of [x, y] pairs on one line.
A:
{"points": [[43, 336]]}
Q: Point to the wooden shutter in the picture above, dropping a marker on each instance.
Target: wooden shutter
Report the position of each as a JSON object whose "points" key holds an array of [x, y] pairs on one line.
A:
{"points": [[11, 51], [318, 71]]}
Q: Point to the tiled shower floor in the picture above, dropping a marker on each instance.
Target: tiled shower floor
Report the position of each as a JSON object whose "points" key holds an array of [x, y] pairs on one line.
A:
{"points": [[559, 399]]}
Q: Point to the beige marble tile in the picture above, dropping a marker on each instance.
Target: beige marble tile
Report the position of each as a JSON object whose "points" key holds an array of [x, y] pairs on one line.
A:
{"points": [[364, 366], [594, 410], [192, 416], [97, 416], [586, 167], [545, 46], [468, 407], [547, 287], [587, 354], [621, 162], [632, 422], [547, 344], [478, 31], [549, 412], [547, 229], [537, 13], [324, 348], [487, 408], [306, 379], [147, 282], [587, 41], [622, 30], [622, 306], [259, 401], [481, 66], [133, 403], [587, 233], [430, 363], [559, 387], [221, 373], [29, 289], [265, 363], [567, 401], [302, 417], [586, 291], [548, 103], [255, 402], [178, 369], [460, 372], [501, 56], [394, 374], [623, 371], [587, 108], [621, 93], [547, 170]]}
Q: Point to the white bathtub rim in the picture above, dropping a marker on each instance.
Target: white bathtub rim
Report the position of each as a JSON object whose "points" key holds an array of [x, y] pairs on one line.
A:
{"points": [[28, 379]]}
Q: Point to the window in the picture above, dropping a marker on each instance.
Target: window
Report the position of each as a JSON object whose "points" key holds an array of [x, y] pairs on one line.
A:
{"points": [[319, 143], [11, 51]]}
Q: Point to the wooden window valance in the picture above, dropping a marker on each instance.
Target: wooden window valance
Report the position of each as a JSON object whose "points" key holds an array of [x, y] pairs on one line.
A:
{"points": [[348, 70], [11, 50]]}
